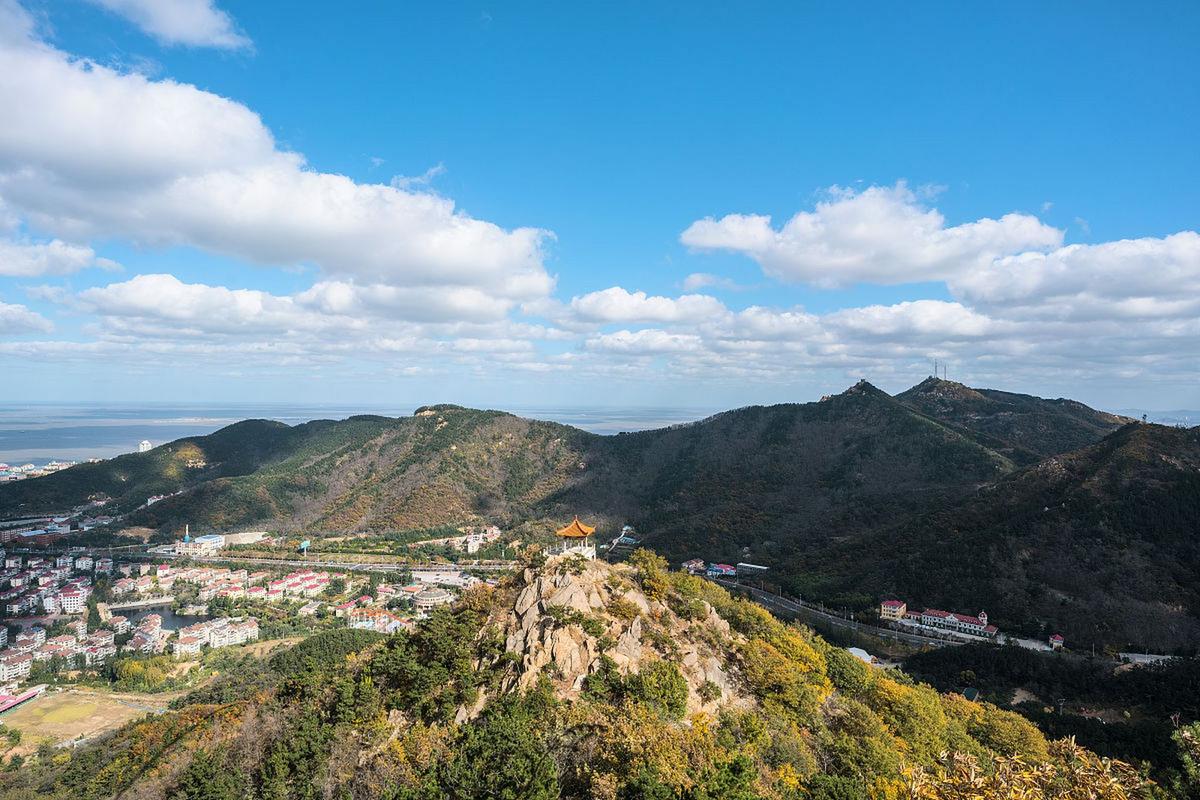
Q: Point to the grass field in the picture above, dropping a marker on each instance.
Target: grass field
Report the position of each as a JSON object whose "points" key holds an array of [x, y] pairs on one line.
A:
{"points": [[63, 716]]}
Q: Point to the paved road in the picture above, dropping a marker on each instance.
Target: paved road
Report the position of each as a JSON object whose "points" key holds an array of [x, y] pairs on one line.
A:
{"points": [[313, 563]]}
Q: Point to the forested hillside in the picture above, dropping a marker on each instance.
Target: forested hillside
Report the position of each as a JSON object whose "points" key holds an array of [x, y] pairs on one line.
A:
{"points": [[577, 680], [1100, 543], [444, 464], [778, 479], [1026, 429]]}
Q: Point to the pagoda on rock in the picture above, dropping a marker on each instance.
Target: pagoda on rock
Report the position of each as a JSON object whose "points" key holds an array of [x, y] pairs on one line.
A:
{"points": [[576, 538]]}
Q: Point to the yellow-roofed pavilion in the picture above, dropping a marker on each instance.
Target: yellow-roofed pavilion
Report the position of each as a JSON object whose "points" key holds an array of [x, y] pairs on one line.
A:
{"points": [[576, 538], [575, 530]]}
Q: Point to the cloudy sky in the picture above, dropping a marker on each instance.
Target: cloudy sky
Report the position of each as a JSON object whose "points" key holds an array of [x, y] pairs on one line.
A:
{"points": [[520, 203]]}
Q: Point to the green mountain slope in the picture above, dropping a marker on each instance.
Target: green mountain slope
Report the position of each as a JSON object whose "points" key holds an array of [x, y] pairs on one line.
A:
{"points": [[441, 465], [238, 449], [574, 680], [778, 479], [1100, 543], [1022, 427]]}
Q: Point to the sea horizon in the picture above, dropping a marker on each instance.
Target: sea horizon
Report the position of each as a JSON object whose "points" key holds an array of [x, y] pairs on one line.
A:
{"points": [[39, 432]]}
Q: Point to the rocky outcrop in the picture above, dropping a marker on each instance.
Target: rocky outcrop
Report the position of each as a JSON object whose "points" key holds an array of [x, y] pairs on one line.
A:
{"points": [[559, 625]]}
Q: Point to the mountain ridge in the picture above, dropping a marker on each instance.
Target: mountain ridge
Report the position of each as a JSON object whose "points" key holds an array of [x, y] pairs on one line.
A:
{"points": [[821, 492]]}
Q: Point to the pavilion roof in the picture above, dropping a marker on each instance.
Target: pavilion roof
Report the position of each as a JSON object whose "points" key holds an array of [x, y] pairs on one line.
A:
{"points": [[575, 530]]}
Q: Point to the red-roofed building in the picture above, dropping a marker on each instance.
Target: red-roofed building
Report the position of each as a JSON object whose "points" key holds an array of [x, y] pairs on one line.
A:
{"points": [[1057, 641], [962, 623], [892, 609]]}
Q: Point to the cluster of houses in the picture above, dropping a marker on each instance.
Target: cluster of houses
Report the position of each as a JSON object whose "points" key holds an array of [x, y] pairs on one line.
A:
{"points": [[31, 646], [471, 542], [35, 584], [149, 636], [223, 582], [15, 472], [213, 582], [423, 596], [429, 589], [219, 632]]}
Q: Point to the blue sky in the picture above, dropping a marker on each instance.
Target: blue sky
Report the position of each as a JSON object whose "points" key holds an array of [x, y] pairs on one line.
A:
{"points": [[613, 130]]}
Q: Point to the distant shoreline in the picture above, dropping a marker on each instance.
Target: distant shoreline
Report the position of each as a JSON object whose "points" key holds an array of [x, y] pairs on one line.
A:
{"points": [[42, 432]]}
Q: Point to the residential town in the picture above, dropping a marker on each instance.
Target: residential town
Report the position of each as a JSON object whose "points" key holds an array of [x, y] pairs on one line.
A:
{"points": [[49, 599], [40, 531], [13, 472]]}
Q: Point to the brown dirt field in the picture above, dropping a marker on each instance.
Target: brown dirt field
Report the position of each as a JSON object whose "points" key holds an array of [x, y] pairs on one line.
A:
{"points": [[142, 534], [63, 716]]}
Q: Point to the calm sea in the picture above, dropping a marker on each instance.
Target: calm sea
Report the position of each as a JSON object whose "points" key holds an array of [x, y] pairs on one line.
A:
{"points": [[38, 433]]}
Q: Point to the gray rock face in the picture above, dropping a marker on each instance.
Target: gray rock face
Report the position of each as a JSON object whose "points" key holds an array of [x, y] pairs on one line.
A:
{"points": [[546, 644]]}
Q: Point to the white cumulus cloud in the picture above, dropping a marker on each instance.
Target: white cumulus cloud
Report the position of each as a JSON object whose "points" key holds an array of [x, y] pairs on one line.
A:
{"points": [[30, 259], [16, 319], [1148, 278], [617, 304], [165, 305], [645, 342], [879, 235], [89, 151], [935, 319], [196, 23]]}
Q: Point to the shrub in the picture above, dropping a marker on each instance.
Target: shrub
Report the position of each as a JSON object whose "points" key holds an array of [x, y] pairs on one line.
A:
{"points": [[661, 686], [623, 609], [709, 692], [652, 573]]}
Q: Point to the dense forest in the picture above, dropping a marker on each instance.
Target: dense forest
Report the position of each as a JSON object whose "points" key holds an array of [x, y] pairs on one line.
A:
{"points": [[576, 679]]}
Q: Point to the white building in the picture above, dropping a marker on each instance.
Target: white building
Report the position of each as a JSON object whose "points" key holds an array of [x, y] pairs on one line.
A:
{"points": [[72, 601], [200, 545], [430, 598], [144, 446], [15, 666]]}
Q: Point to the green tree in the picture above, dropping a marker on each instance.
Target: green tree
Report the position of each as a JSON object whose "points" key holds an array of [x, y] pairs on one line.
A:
{"points": [[502, 756], [207, 778], [652, 573], [661, 686], [1187, 740]]}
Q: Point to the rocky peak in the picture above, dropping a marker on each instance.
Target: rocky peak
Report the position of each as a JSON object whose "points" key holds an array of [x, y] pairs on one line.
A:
{"points": [[569, 615], [943, 389]]}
